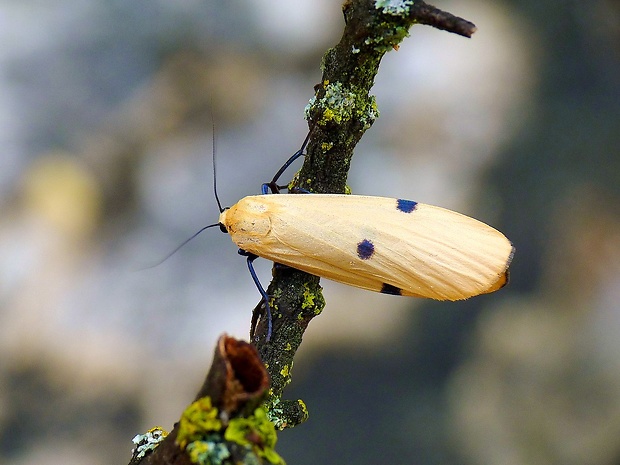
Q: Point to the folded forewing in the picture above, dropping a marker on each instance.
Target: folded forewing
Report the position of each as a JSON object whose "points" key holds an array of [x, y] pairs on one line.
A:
{"points": [[387, 245]]}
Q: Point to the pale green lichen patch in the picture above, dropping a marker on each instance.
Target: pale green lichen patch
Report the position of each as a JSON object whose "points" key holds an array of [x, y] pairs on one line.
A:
{"points": [[208, 452], [287, 413], [256, 432], [394, 7], [392, 35], [340, 104], [372, 112], [148, 441], [274, 413]]}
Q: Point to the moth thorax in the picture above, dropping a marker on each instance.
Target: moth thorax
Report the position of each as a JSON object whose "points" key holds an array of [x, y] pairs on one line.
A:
{"points": [[247, 218]]}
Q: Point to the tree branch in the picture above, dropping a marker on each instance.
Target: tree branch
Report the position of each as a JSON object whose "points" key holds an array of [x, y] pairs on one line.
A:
{"points": [[225, 421], [431, 16], [339, 114]]}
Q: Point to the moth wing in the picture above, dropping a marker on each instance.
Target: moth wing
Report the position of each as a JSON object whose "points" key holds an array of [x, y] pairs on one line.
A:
{"points": [[386, 245]]}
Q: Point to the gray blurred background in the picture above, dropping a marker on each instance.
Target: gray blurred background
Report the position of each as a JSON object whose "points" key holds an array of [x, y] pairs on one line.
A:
{"points": [[105, 167]]}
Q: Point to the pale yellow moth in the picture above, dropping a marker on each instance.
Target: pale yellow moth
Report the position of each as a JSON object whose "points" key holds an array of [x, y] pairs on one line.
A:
{"points": [[393, 246]]}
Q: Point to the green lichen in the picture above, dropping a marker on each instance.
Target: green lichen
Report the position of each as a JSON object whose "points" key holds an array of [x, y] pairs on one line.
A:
{"points": [[309, 297], [293, 182], [372, 112], [273, 303], [256, 432], [303, 407], [273, 300], [285, 413], [207, 440], [322, 64], [208, 452], [198, 451], [274, 412], [197, 421], [326, 146], [391, 36], [394, 7], [285, 372], [340, 104]]}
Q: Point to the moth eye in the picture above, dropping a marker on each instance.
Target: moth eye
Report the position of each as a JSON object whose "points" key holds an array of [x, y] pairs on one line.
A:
{"points": [[406, 206], [389, 289], [365, 249]]}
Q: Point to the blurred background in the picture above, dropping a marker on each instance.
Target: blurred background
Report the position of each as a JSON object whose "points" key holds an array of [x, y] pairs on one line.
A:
{"points": [[106, 115]]}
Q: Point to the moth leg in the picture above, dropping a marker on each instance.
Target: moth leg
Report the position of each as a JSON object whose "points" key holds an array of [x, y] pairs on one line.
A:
{"points": [[273, 185], [270, 186], [255, 314], [299, 190]]}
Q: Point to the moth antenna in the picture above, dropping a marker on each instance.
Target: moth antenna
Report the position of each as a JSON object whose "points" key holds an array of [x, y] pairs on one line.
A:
{"points": [[219, 205], [217, 199], [180, 246], [263, 293]]}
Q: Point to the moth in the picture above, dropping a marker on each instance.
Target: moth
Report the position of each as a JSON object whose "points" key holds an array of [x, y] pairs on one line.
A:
{"points": [[387, 245]]}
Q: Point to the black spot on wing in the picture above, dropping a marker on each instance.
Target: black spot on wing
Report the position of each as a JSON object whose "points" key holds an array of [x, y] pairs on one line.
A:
{"points": [[389, 289], [406, 206], [365, 249]]}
